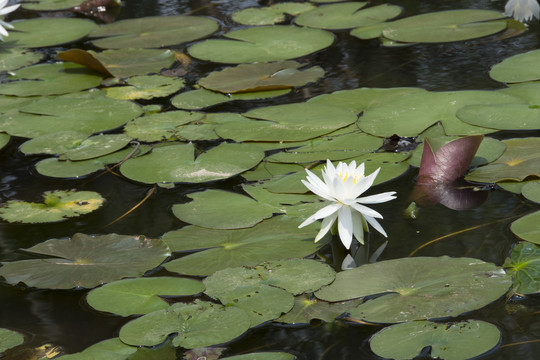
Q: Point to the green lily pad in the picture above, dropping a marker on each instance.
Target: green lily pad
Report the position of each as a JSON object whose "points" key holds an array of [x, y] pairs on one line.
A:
{"points": [[297, 276], [262, 356], [445, 26], [347, 15], [50, 79], [502, 116], [410, 115], [161, 126], [517, 68], [110, 349], [4, 140], [520, 160], [43, 31], [524, 265], [273, 239], [88, 112], [450, 341], [14, 58], [369, 32], [531, 191], [153, 32], [206, 210], [198, 325], [271, 14], [177, 163], [392, 165], [289, 122], [54, 167], [306, 309], [418, 288], [202, 98], [51, 5], [267, 170], [140, 296], [529, 92], [53, 143], [526, 227], [96, 146], [57, 206], [146, 87], [9, 339], [86, 261], [262, 44], [261, 77]]}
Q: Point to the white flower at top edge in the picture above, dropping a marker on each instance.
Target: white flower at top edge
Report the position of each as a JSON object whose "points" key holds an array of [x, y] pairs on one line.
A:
{"points": [[522, 10], [342, 186], [3, 11]]}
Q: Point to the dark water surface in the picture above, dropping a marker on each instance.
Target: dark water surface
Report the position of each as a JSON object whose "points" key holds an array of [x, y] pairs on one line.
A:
{"points": [[62, 318]]}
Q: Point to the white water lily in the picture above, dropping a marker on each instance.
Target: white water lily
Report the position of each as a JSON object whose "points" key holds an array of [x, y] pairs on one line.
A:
{"points": [[3, 11], [342, 186], [522, 10]]}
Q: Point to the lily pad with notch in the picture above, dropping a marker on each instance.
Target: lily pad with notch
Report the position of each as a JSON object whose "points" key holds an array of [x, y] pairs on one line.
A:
{"points": [[262, 44], [141, 295], [524, 265], [270, 15], [273, 239], [307, 308], [418, 288], [526, 227], [160, 126], [15, 58], [517, 68], [153, 32], [451, 341], [85, 261], [57, 206], [145, 87], [203, 98], [197, 325]]}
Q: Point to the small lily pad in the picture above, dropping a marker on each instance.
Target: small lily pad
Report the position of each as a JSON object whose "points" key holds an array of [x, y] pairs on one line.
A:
{"points": [[271, 14], [50, 79], [53, 143], [502, 116], [531, 191], [198, 325], [161, 126], [44, 31], [140, 296], [14, 58], [445, 26], [86, 261], [146, 87], [524, 265], [177, 163], [347, 15], [110, 349], [57, 206], [526, 227], [202, 98], [517, 68], [418, 288], [261, 77], [153, 32], [96, 146], [306, 308], [273, 239], [9, 339], [262, 44], [450, 341]]}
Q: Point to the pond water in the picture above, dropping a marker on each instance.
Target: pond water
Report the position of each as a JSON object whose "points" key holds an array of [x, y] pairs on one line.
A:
{"points": [[63, 318]]}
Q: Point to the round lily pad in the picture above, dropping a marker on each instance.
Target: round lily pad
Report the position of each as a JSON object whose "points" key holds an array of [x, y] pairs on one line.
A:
{"points": [[273, 239], [347, 15], [146, 87], [49, 31], [524, 265], [445, 26], [271, 14], [177, 163], [140, 296], [53, 143], [206, 210], [88, 112], [50, 79], [161, 126], [14, 58], [51, 5], [418, 288], [9, 339], [198, 325], [261, 77], [153, 32], [450, 341], [307, 308], [412, 114], [531, 191], [262, 44], [517, 68], [526, 227], [110, 349], [130, 62], [502, 116], [96, 146], [520, 160], [86, 261], [57, 206]]}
